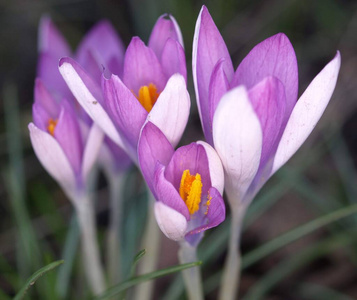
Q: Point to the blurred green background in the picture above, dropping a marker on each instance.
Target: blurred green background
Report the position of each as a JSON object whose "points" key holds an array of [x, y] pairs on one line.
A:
{"points": [[35, 224]]}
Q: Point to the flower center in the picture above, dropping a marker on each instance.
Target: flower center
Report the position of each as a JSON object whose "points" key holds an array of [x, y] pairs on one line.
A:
{"points": [[191, 190], [147, 96], [52, 126]]}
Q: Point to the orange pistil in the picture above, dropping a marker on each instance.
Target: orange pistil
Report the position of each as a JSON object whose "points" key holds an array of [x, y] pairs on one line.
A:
{"points": [[52, 126], [148, 96], [191, 190]]}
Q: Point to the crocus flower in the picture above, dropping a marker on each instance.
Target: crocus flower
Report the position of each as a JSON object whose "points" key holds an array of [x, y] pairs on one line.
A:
{"points": [[252, 116], [187, 184], [152, 87], [59, 144]]}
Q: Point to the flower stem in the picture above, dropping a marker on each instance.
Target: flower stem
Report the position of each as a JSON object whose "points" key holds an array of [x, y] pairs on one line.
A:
{"points": [[192, 276], [150, 242], [93, 266], [114, 231], [231, 271]]}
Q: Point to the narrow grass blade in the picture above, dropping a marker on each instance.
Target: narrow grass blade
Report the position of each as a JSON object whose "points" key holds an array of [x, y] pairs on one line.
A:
{"points": [[142, 278], [31, 281], [295, 234], [136, 260], [310, 291], [69, 254], [296, 262]]}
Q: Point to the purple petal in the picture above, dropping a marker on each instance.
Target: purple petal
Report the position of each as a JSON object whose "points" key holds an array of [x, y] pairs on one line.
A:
{"points": [[52, 157], [41, 116], [126, 111], [268, 100], [173, 59], [89, 96], [167, 194], [68, 135], [51, 40], [215, 167], [153, 147], [307, 112], [47, 71], [142, 67], [237, 137], [218, 87], [273, 57], [208, 49], [171, 110], [172, 223], [105, 44], [192, 157], [91, 65], [216, 213], [164, 29], [45, 99], [91, 150]]}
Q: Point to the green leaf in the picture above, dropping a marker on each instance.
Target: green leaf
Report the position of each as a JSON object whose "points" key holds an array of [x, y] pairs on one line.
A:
{"points": [[295, 234], [136, 260], [142, 278], [31, 281]]}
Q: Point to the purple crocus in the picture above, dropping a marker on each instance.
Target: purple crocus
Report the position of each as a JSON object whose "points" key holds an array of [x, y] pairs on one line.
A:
{"points": [[252, 116], [187, 184], [151, 87]]}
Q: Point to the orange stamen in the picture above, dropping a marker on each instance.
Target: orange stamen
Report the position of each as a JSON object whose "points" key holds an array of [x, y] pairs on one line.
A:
{"points": [[191, 190], [148, 96], [52, 126]]}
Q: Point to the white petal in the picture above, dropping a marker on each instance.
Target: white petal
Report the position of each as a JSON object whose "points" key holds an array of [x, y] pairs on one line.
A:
{"points": [[171, 222], [91, 150], [52, 158], [172, 108], [74, 77], [215, 167], [307, 112], [237, 137]]}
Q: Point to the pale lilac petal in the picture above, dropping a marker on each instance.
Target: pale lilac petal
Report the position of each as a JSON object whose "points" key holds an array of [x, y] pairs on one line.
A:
{"points": [[126, 111], [166, 193], [173, 59], [40, 116], [276, 57], [307, 112], [171, 222], [208, 49], [92, 147], [153, 147], [268, 100], [237, 137], [52, 157], [105, 44], [163, 29], [68, 135], [51, 40], [92, 66], [47, 71], [216, 213], [45, 99], [142, 67], [88, 94], [171, 110], [192, 157], [215, 167], [219, 85]]}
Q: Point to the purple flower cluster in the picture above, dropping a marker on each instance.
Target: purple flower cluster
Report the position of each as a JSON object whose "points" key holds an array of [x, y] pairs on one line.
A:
{"points": [[252, 119]]}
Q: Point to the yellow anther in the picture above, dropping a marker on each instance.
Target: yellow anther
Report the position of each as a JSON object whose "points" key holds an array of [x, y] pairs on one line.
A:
{"points": [[52, 126], [191, 190], [148, 96]]}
